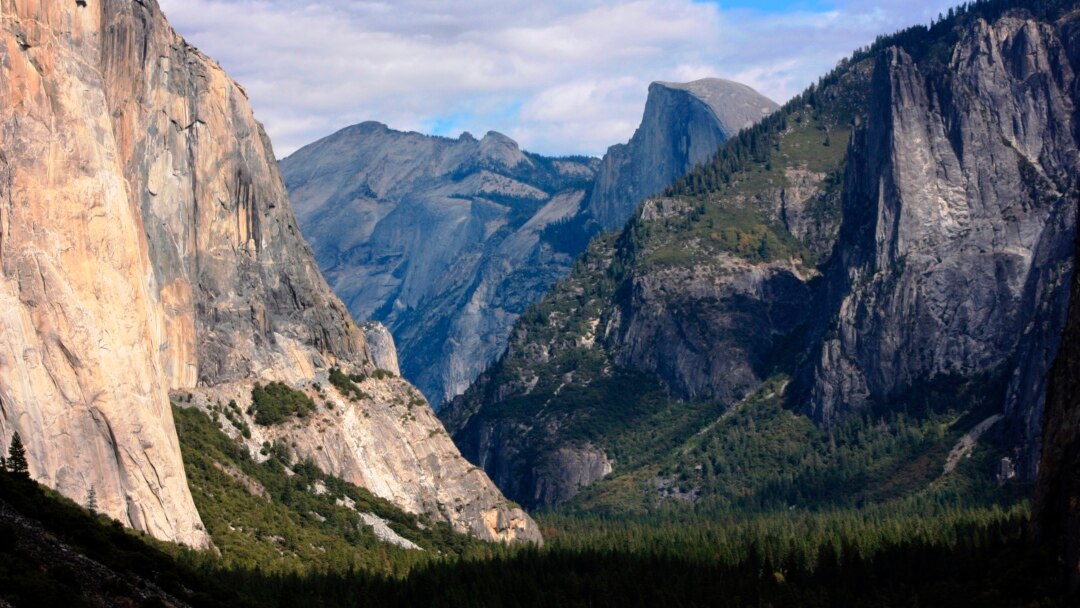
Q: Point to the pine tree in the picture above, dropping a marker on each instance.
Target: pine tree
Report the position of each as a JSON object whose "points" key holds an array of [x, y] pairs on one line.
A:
{"points": [[91, 500], [16, 460]]}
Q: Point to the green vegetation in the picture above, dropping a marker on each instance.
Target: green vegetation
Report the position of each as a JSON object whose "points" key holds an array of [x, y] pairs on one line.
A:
{"points": [[35, 571], [570, 368], [233, 415], [758, 456], [276, 402], [931, 551], [286, 517], [709, 229], [346, 385], [903, 554], [743, 504], [15, 463]]}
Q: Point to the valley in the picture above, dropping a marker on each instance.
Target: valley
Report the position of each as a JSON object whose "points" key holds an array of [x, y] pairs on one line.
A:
{"points": [[821, 353]]}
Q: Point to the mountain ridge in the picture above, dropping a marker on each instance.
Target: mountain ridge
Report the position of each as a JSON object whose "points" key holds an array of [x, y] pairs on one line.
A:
{"points": [[519, 219]]}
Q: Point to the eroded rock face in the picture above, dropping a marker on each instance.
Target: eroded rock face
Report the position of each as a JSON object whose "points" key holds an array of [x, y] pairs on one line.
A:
{"points": [[683, 125], [1057, 492], [448, 241], [381, 346], [147, 244], [83, 328]]}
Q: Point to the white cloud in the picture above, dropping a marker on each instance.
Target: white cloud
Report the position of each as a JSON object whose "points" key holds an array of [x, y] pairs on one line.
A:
{"points": [[560, 77]]}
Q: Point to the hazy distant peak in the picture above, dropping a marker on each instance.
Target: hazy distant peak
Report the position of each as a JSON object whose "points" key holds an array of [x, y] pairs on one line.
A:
{"points": [[501, 149]]}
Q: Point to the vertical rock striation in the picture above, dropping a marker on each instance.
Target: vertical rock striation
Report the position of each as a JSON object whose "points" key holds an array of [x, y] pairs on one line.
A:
{"points": [[82, 331], [956, 248], [1057, 493], [444, 241]]}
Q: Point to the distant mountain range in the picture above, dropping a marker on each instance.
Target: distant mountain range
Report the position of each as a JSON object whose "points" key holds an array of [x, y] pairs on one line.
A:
{"points": [[447, 241]]}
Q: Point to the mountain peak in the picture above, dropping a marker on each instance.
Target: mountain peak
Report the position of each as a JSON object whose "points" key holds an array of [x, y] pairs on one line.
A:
{"points": [[499, 148], [735, 105]]}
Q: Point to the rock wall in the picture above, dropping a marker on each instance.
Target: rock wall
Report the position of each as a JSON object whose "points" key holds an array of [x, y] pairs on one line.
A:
{"points": [[956, 248], [390, 442], [943, 234], [82, 378], [147, 244], [447, 241], [381, 346], [1057, 492]]}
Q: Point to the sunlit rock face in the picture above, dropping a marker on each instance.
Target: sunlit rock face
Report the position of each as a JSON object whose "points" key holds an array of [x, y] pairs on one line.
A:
{"points": [[146, 244]]}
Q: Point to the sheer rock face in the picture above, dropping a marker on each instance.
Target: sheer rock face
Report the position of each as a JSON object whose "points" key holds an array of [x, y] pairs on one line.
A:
{"points": [[683, 125], [146, 244], [1057, 492], [959, 220], [381, 346], [448, 241]]}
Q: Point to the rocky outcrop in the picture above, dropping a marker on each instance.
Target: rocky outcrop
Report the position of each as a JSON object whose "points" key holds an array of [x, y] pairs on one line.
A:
{"points": [[447, 241], [691, 301], [147, 244], [683, 126], [381, 347], [444, 241], [387, 440]]}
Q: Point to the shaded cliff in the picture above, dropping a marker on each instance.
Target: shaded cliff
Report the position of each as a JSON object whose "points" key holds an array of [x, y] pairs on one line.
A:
{"points": [[890, 250], [448, 241], [148, 244], [1057, 493]]}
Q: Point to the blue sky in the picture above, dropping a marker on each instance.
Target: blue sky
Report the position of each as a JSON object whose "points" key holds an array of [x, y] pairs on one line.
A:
{"points": [[773, 6], [560, 76]]}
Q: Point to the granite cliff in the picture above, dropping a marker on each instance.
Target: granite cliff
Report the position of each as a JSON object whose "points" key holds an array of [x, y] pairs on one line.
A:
{"points": [[147, 245], [960, 271], [892, 247], [447, 241]]}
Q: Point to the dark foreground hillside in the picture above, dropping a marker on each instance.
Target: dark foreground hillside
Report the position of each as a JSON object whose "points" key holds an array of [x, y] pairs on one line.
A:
{"points": [[55, 553]]}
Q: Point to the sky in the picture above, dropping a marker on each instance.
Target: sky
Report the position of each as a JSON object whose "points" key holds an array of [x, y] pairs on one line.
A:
{"points": [[561, 77]]}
